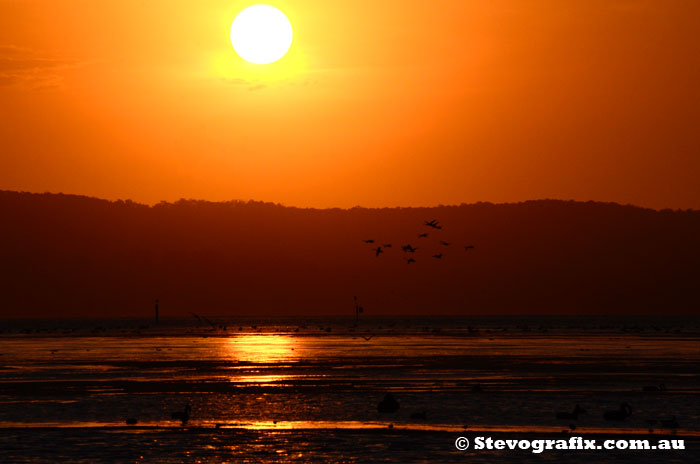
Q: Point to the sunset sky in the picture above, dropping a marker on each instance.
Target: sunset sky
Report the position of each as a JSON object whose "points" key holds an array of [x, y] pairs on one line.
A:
{"points": [[377, 103]]}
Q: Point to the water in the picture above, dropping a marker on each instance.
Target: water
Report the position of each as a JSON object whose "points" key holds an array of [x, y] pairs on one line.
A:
{"points": [[306, 390]]}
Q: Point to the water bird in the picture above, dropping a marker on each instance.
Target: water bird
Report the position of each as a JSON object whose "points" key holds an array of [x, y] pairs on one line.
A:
{"points": [[410, 261], [131, 421], [671, 423], [423, 235], [434, 224], [651, 423], [438, 256], [571, 415], [378, 251], [199, 319], [624, 411], [408, 248], [184, 415], [444, 243], [468, 247], [369, 241], [654, 388], [214, 326], [388, 404]]}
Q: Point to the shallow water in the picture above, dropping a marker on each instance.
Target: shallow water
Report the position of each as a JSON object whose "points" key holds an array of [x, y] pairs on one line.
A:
{"points": [[306, 390]]}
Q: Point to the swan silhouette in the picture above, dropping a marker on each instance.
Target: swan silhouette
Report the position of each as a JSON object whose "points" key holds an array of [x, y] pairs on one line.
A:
{"points": [[624, 411]]}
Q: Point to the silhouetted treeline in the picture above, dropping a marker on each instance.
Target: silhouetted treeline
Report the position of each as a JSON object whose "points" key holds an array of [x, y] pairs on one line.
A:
{"points": [[63, 255]]}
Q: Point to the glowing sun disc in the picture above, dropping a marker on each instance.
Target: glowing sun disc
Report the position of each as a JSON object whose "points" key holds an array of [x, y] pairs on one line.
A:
{"points": [[261, 34]]}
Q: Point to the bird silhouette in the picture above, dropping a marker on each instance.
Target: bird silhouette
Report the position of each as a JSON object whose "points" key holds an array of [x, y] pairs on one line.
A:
{"points": [[438, 256], [199, 319], [444, 243], [388, 404], [184, 415], [671, 423], [423, 235], [571, 415], [369, 241], [434, 224], [654, 388], [410, 260], [368, 338], [469, 247], [378, 251], [387, 245], [214, 326], [620, 414], [409, 249]]}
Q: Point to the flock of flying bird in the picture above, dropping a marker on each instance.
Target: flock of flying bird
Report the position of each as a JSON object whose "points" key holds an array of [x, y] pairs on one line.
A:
{"points": [[434, 224]]}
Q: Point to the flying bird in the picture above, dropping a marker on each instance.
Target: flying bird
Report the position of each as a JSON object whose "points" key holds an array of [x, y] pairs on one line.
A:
{"points": [[368, 338], [423, 235], [408, 248], [410, 260], [369, 241], [378, 251], [434, 224], [438, 256], [442, 242], [468, 247], [387, 245]]}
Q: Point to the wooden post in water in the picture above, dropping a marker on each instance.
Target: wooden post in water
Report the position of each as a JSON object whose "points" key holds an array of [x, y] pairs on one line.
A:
{"points": [[156, 310], [358, 309]]}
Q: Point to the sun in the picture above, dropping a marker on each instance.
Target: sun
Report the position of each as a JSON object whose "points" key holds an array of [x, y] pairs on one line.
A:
{"points": [[261, 34]]}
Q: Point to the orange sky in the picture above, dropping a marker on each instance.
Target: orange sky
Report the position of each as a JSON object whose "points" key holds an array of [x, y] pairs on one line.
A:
{"points": [[378, 103]]}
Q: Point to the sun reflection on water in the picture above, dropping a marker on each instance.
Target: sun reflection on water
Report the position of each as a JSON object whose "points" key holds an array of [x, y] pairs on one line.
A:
{"points": [[262, 348]]}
